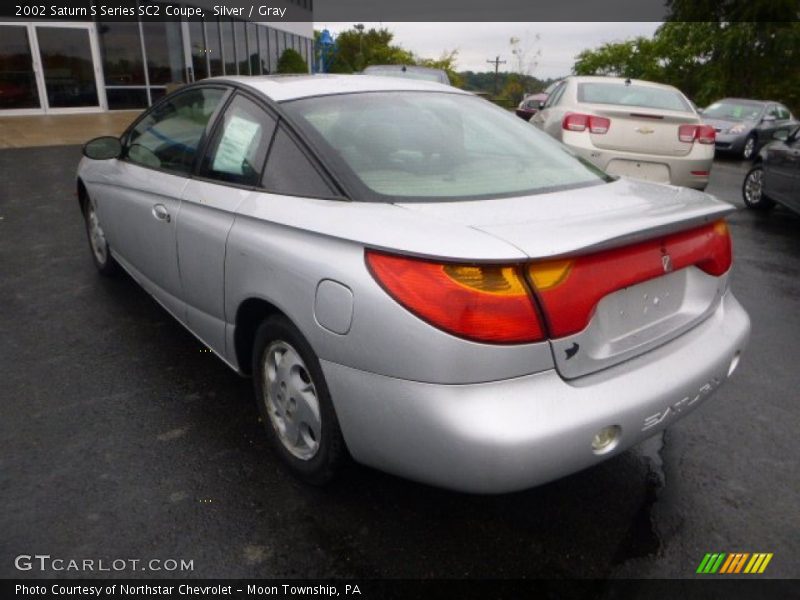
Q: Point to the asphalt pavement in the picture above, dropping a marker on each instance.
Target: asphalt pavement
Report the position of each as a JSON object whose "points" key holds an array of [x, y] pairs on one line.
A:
{"points": [[123, 438]]}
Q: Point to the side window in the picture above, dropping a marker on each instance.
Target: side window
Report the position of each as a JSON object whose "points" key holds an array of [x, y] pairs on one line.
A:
{"points": [[239, 148], [290, 172], [772, 111], [783, 113], [169, 136], [553, 98]]}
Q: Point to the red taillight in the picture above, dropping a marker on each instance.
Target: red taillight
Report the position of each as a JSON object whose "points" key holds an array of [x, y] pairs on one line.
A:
{"points": [[580, 122], [492, 303], [703, 134], [569, 289], [485, 303]]}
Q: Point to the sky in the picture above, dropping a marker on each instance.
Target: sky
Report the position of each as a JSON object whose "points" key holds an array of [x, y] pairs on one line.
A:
{"points": [[559, 43]]}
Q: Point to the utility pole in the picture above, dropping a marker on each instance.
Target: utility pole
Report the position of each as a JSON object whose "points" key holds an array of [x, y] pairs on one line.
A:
{"points": [[496, 62]]}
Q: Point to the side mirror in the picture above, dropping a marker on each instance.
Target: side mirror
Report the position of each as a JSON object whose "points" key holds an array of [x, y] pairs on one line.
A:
{"points": [[103, 148], [768, 119], [781, 135], [541, 104]]}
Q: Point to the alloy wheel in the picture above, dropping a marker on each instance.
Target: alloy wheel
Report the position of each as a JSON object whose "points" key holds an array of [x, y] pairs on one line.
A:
{"points": [[753, 187], [97, 238]]}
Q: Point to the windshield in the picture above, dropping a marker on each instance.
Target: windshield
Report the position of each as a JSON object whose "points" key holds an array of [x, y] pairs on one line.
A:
{"points": [[632, 95], [428, 145], [733, 111]]}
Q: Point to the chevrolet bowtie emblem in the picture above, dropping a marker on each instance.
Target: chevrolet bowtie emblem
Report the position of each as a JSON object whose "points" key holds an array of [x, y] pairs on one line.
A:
{"points": [[645, 130]]}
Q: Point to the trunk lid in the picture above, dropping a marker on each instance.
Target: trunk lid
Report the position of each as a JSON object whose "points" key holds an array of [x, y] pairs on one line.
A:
{"points": [[627, 322], [642, 130]]}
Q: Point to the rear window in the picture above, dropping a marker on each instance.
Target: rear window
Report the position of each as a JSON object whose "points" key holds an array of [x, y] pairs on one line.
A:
{"points": [[429, 145], [632, 95], [424, 75]]}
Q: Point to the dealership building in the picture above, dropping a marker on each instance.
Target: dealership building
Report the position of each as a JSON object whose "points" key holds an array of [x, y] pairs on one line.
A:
{"points": [[52, 67]]}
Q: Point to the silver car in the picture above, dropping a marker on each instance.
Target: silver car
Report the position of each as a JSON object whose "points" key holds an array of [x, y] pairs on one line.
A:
{"points": [[416, 278], [631, 128], [744, 126]]}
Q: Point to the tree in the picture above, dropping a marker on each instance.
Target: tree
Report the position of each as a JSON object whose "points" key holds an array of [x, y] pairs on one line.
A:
{"points": [[447, 63], [751, 49], [292, 62]]}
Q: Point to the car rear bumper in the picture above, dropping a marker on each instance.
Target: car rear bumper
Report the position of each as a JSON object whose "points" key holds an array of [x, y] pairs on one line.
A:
{"points": [[513, 434], [692, 170]]}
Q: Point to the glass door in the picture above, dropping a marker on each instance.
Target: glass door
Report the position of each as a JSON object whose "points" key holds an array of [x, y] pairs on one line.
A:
{"points": [[18, 87], [69, 67]]}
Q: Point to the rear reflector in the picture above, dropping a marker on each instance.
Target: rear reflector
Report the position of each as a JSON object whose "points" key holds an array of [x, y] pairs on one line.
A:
{"points": [[485, 303], [569, 291], [494, 303], [701, 173], [579, 122]]}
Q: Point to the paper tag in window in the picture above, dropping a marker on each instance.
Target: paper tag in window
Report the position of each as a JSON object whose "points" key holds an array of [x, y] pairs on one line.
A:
{"points": [[235, 145]]}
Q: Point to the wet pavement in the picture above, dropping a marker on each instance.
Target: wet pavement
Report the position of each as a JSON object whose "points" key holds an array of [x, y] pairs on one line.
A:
{"points": [[123, 438]]}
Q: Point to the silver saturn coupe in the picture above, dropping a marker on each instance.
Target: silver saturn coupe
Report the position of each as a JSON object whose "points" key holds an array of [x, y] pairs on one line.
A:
{"points": [[415, 278]]}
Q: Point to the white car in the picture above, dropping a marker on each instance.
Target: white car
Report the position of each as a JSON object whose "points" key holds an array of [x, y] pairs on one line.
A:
{"points": [[631, 128]]}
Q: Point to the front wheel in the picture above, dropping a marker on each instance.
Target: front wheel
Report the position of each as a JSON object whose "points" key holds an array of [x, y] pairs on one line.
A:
{"points": [[753, 190], [295, 404], [749, 149], [101, 254]]}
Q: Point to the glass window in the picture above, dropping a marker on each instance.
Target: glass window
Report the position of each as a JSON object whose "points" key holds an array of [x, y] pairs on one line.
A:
{"points": [[126, 98], [783, 113], [555, 96], [263, 45], [214, 48], [252, 49], [168, 137], [164, 49], [121, 47], [68, 66], [281, 43], [427, 145], [197, 42], [734, 110], [241, 48], [289, 171], [229, 50], [273, 50], [632, 95], [17, 79], [240, 144]]}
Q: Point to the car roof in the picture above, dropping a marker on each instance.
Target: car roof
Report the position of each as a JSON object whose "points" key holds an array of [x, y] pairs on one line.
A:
{"points": [[290, 87], [747, 100]]}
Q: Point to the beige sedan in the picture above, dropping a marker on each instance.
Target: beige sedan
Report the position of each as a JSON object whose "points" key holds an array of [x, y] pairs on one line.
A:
{"points": [[631, 128]]}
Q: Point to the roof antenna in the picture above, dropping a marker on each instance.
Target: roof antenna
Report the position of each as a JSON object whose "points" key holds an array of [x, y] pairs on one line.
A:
{"points": [[628, 81], [404, 69]]}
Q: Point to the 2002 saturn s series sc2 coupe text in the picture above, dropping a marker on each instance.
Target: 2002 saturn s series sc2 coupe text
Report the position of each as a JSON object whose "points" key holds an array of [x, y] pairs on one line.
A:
{"points": [[417, 278]]}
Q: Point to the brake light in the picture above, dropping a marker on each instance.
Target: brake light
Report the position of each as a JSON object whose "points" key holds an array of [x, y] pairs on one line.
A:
{"points": [[484, 303], [580, 122], [569, 290], [703, 134]]}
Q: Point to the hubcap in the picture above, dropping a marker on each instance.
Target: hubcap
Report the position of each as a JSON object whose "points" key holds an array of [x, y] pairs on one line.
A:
{"points": [[752, 188], [291, 400], [97, 239], [749, 146]]}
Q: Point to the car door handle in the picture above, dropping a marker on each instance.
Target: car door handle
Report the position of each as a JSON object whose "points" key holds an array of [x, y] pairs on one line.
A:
{"points": [[161, 213]]}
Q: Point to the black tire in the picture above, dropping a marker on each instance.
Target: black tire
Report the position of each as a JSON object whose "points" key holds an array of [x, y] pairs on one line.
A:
{"points": [[98, 246], [750, 148], [753, 189], [331, 453]]}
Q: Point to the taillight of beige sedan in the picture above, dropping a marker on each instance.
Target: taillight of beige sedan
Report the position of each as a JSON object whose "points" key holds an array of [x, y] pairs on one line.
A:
{"points": [[631, 128], [416, 278]]}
